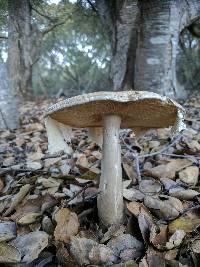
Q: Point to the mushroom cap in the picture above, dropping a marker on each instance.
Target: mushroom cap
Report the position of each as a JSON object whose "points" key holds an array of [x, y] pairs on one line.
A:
{"points": [[136, 109]]}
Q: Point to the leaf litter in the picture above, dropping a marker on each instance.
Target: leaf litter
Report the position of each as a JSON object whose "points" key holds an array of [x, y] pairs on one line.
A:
{"points": [[48, 210]]}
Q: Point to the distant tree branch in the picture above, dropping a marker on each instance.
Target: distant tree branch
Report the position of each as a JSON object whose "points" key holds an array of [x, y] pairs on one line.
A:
{"points": [[42, 14], [52, 27], [92, 5]]}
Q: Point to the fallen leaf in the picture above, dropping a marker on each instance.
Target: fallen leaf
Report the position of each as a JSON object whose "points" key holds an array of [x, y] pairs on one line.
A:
{"points": [[67, 225], [182, 193], [7, 231], [125, 242], [164, 207], [159, 236], [29, 218], [30, 245], [189, 175], [18, 198], [33, 165], [188, 222], [150, 186], [169, 170], [9, 254], [133, 194], [195, 246], [176, 239]]}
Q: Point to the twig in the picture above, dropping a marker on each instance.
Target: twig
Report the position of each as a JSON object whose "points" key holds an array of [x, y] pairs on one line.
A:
{"points": [[176, 139], [181, 156]]}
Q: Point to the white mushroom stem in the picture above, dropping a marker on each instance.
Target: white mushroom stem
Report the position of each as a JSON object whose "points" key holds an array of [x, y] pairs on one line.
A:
{"points": [[110, 199]]}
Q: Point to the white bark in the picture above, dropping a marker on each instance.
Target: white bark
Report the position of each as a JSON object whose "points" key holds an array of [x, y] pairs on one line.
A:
{"points": [[110, 199]]}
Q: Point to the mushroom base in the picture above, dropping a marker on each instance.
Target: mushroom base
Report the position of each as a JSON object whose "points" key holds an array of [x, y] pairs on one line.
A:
{"points": [[110, 199]]}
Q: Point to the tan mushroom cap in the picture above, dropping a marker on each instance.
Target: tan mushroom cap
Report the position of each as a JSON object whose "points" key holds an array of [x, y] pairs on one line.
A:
{"points": [[136, 109]]}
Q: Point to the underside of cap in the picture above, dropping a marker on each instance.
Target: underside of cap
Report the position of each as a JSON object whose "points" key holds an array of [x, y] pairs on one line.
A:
{"points": [[136, 109]]}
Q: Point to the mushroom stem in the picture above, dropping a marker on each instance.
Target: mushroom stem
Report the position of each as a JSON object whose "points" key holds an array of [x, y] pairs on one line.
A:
{"points": [[110, 199]]}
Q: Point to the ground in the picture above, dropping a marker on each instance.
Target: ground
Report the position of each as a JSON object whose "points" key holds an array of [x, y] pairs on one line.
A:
{"points": [[48, 203]]}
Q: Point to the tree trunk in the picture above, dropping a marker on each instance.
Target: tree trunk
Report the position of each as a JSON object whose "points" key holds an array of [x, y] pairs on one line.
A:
{"points": [[144, 40], [120, 20], [19, 47], [9, 116]]}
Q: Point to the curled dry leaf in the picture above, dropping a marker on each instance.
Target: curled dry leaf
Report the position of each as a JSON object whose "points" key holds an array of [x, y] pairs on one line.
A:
{"points": [[30, 245], [164, 207], [18, 198], [67, 225], [176, 239]]}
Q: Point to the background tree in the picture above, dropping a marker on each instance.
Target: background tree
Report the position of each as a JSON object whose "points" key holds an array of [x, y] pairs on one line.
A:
{"points": [[144, 38]]}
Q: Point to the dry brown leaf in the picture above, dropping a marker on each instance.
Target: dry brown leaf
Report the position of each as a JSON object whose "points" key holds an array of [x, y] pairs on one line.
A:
{"points": [[30, 245], [187, 222], [67, 225], [164, 207], [159, 236], [82, 162], [176, 239], [18, 198], [169, 170], [9, 254], [182, 193], [189, 175]]}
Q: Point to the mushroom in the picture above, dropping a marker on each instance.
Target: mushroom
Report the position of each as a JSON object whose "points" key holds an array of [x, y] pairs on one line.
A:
{"points": [[107, 112]]}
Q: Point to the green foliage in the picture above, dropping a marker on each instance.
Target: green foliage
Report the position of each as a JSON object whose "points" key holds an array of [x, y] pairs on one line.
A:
{"points": [[188, 63], [75, 57]]}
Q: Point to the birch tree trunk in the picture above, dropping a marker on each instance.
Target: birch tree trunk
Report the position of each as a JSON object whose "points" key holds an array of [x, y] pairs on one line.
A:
{"points": [[144, 39]]}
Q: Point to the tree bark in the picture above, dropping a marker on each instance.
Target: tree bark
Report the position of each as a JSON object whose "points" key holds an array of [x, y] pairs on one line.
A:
{"points": [[120, 20], [20, 47], [144, 40], [161, 23], [9, 116]]}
